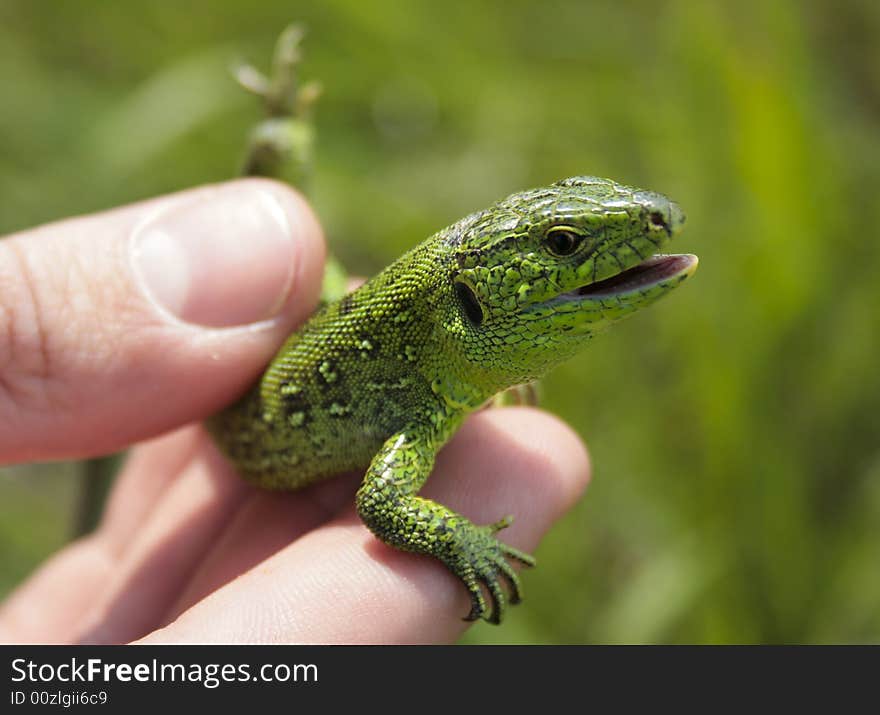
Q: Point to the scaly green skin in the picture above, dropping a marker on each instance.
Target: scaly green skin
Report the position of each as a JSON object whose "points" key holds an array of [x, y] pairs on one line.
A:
{"points": [[383, 377]]}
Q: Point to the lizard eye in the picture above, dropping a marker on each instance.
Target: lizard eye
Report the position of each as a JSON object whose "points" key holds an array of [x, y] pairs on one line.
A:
{"points": [[562, 241]]}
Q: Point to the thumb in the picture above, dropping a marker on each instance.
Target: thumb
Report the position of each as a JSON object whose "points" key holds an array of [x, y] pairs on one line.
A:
{"points": [[119, 326]]}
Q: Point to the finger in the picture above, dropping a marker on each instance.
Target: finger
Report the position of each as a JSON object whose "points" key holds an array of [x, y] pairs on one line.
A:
{"points": [[50, 606], [89, 590], [172, 558], [149, 471], [339, 584], [119, 326], [266, 523], [188, 517]]}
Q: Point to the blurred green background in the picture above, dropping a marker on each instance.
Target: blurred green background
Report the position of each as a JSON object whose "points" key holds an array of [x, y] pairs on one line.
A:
{"points": [[734, 428]]}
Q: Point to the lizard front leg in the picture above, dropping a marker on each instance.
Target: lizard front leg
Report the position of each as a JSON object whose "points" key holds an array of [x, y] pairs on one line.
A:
{"points": [[387, 502]]}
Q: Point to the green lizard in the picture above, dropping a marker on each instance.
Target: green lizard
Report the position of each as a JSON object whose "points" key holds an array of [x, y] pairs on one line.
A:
{"points": [[382, 377]]}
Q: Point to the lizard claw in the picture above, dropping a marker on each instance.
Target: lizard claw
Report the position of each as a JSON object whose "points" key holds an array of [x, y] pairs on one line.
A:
{"points": [[482, 562]]}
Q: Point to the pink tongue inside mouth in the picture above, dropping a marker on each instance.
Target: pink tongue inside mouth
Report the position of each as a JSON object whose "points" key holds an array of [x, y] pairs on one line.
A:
{"points": [[650, 271]]}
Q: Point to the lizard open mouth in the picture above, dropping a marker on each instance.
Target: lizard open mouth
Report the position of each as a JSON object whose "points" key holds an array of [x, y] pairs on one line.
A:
{"points": [[653, 271]]}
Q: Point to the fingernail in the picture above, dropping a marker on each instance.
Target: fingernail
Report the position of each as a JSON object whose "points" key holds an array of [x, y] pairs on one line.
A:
{"points": [[220, 258]]}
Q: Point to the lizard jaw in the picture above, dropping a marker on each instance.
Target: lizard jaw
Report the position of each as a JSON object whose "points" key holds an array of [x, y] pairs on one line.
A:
{"points": [[657, 270]]}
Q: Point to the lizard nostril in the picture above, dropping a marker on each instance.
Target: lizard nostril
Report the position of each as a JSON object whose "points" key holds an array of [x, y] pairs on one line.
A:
{"points": [[658, 220]]}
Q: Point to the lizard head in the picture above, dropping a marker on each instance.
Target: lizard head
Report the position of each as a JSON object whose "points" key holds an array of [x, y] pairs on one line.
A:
{"points": [[539, 273]]}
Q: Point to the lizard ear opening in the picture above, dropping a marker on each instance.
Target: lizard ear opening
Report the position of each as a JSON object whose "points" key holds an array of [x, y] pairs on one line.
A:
{"points": [[469, 303]]}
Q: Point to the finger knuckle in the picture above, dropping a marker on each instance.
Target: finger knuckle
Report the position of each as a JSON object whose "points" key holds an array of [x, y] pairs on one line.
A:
{"points": [[26, 362]]}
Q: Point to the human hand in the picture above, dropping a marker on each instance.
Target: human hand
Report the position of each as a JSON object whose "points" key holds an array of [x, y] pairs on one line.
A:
{"points": [[119, 327]]}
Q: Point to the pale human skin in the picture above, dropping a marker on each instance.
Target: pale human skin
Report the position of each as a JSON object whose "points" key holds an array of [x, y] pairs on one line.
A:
{"points": [[103, 346]]}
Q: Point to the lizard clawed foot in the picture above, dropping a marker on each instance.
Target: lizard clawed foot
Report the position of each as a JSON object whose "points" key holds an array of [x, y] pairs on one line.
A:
{"points": [[281, 91], [481, 560]]}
